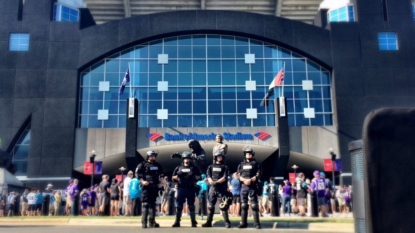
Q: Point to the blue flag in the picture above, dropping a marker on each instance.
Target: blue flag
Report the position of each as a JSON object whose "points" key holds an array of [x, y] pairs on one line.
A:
{"points": [[125, 81], [98, 167]]}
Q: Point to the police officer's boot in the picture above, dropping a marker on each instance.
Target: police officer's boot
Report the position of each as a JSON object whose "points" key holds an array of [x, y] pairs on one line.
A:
{"points": [[255, 213], [178, 217], [152, 216], [244, 216], [225, 215], [208, 223], [193, 216], [144, 215]]}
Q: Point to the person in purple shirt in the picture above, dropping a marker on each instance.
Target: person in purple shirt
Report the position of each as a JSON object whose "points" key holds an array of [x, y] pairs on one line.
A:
{"points": [[286, 197], [68, 199], [320, 186], [92, 200], [73, 191]]}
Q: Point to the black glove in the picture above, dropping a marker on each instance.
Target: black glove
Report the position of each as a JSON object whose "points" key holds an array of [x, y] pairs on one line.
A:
{"points": [[176, 155]]}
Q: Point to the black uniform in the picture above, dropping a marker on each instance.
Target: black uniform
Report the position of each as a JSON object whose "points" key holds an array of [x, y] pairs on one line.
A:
{"points": [[186, 191], [218, 190], [248, 170], [150, 172]]}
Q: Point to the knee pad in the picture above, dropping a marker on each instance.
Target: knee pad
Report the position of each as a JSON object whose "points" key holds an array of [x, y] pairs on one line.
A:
{"points": [[255, 206], [244, 206], [192, 208], [145, 205]]}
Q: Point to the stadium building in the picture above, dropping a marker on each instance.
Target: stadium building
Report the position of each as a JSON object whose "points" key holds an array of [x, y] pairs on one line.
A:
{"points": [[197, 68]]}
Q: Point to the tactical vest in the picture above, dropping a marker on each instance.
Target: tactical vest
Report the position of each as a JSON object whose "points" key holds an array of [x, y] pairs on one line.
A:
{"points": [[151, 172], [218, 170], [187, 177], [248, 169]]}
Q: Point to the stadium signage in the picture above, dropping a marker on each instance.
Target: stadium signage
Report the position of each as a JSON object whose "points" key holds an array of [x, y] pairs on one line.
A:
{"points": [[206, 137]]}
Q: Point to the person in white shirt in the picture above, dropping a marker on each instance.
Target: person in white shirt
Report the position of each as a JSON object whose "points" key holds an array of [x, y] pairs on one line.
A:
{"points": [[126, 194], [31, 201]]}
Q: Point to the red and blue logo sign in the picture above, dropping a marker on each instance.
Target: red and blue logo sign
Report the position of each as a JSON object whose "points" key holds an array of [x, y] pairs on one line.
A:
{"points": [[154, 136], [262, 135]]}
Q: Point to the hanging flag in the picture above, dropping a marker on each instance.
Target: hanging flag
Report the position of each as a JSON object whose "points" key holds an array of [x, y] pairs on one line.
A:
{"points": [[328, 165], [277, 81], [291, 177], [98, 167], [125, 81], [87, 168], [338, 165]]}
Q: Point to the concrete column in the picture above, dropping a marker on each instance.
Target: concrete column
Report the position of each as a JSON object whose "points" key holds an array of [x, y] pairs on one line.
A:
{"points": [[131, 156], [281, 117]]}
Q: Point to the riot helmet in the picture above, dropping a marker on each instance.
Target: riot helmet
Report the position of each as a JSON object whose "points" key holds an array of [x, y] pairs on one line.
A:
{"points": [[217, 153], [186, 154], [248, 149], [152, 152]]}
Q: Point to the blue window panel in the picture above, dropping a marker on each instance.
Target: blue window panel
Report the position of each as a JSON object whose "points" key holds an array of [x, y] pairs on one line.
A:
{"points": [[253, 42], [171, 51], [21, 168], [259, 93], [171, 94], [228, 52], [327, 106], [170, 67], [171, 78], [243, 122], [228, 78], [318, 120], [141, 93], [112, 122], [185, 121], [241, 41], [139, 66], [83, 119], [171, 106], [143, 107], [317, 104], [328, 119], [213, 51], [14, 47], [288, 92], [95, 94], [256, 103], [383, 47], [240, 51], [85, 78], [300, 93], [185, 52], [285, 53], [141, 52], [315, 77], [242, 93], [258, 51], [199, 107], [269, 77], [229, 106], [228, 66], [154, 78], [242, 105], [215, 121], [241, 78], [300, 104], [115, 79], [413, 10], [199, 121], [153, 106], [270, 108], [170, 41], [311, 66], [326, 92], [143, 121], [21, 152], [199, 79], [112, 107], [316, 92], [273, 66], [154, 66], [122, 121], [199, 40], [155, 51], [229, 121], [171, 122], [199, 66], [299, 65], [19, 42], [325, 78], [126, 93], [214, 93], [185, 93], [261, 120], [93, 122], [299, 77], [214, 66], [290, 105], [227, 40], [199, 51], [199, 93], [300, 120], [214, 79], [84, 107], [214, 106], [270, 51], [288, 78], [270, 119], [241, 66], [258, 66], [185, 40], [185, 79], [185, 66], [24, 138], [153, 121], [128, 53], [113, 94], [213, 40], [154, 94], [185, 107], [291, 119], [259, 78]]}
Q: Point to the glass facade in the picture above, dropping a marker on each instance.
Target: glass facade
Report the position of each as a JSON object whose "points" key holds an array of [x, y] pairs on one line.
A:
{"points": [[19, 42], [65, 14], [413, 10], [387, 41], [343, 14], [20, 153], [206, 78]]}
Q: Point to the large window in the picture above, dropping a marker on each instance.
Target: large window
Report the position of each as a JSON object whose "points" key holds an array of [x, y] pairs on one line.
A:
{"points": [[19, 42], [343, 14], [204, 81], [413, 10], [65, 14], [387, 41], [20, 153]]}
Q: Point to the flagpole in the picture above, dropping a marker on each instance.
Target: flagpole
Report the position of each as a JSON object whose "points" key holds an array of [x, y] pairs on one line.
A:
{"points": [[131, 77], [283, 78]]}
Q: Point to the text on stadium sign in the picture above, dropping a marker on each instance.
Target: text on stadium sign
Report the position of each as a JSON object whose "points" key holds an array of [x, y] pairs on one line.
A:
{"points": [[211, 136]]}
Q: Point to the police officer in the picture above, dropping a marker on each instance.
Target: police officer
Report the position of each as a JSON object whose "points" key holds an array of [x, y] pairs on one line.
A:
{"points": [[187, 175], [149, 172], [250, 172], [217, 174]]}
